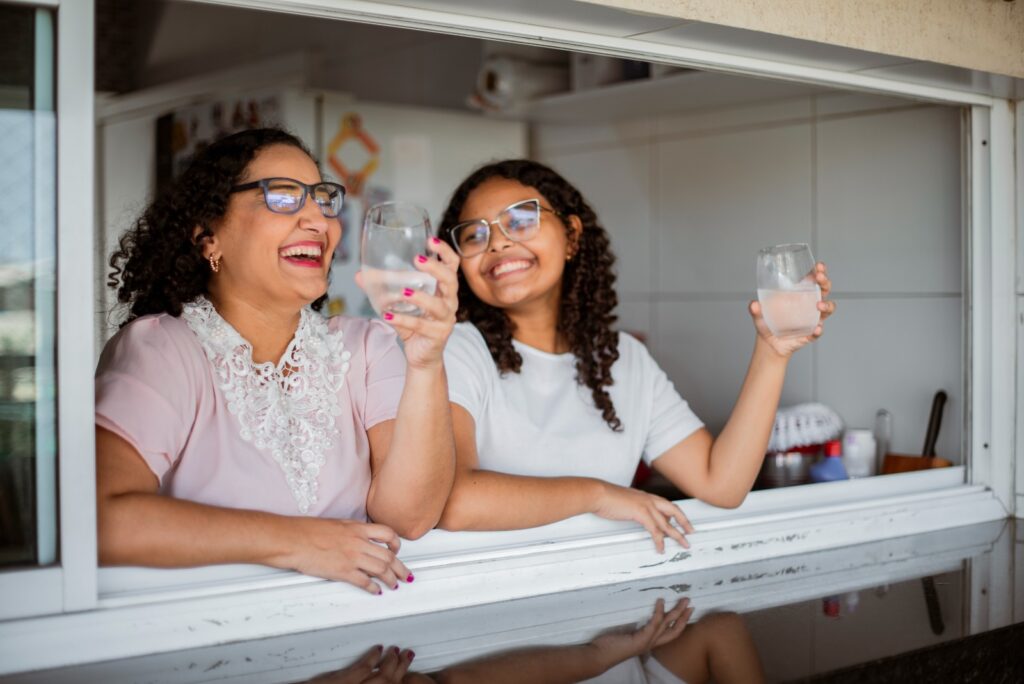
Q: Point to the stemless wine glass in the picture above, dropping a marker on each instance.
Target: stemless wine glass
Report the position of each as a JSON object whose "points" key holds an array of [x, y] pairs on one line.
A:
{"points": [[787, 290], [394, 234]]}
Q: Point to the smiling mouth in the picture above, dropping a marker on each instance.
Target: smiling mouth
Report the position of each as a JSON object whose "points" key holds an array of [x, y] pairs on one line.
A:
{"points": [[508, 267], [309, 255]]}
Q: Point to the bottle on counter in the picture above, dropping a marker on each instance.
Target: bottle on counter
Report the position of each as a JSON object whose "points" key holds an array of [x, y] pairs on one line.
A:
{"points": [[859, 453], [831, 467]]}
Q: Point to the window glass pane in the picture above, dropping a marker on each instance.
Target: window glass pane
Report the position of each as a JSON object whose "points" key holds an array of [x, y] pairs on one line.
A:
{"points": [[27, 275]]}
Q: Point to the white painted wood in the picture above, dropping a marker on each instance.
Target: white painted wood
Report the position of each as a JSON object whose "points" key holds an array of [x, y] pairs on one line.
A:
{"points": [[721, 198], [140, 630], [75, 197], [895, 354], [130, 586], [704, 345], [993, 323], [612, 181], [889, 216], [1019, 465], [38, 591], [1002, 336]]}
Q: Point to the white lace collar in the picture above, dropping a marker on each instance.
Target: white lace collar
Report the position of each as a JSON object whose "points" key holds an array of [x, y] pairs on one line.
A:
{"points": [[288, 409]]}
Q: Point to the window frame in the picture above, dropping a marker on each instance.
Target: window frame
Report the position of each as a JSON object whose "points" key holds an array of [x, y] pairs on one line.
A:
{"points": [[70, 584], [986, 483]]}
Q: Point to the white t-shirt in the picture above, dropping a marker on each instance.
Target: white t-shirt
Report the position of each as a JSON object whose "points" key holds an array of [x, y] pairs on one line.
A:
{"points": [[541, 422]]}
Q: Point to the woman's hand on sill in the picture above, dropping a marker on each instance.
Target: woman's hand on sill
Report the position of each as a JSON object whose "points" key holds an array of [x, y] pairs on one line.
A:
{"points": [[361, 554], [653, 512]]}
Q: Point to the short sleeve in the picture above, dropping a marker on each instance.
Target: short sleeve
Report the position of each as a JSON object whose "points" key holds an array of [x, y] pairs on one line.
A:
{"points": [[385, 374], [671, 420], [468, 364], [146, 392]]}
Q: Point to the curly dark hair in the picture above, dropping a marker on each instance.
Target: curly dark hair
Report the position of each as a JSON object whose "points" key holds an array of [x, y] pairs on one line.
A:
{"points": [[159, 264], [588, 298]]}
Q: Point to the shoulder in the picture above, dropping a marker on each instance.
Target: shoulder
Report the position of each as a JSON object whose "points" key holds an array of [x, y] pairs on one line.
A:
{"points": [[632, 350], [635, 362], [160, 335], [158, 350], [467, 344]]}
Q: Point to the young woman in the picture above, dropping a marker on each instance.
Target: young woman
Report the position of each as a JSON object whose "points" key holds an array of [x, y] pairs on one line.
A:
{"points": [[553, 408], [236, 424]]}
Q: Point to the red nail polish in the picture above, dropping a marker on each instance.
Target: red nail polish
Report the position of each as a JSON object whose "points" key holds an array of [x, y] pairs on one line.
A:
{"points": [[420, 258], [395, 588], [411, 656], [397, 650], [410, 578], [435, 240], [379, 648], [388, 315], [408, 292]]}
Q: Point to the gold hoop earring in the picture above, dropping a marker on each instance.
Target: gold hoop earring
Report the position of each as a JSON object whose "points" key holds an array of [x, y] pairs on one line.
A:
{"points": [[214, 264]]}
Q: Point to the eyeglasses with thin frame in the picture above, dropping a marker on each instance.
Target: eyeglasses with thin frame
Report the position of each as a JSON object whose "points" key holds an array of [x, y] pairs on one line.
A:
{"points": [[518, 222], [288, 196]]}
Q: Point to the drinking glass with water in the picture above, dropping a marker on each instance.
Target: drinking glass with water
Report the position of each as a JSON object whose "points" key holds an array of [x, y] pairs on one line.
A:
{"points": [[787, 290], [394, 235]]}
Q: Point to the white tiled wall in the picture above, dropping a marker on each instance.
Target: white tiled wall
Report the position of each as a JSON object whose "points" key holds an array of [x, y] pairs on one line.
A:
{"points": [[872, 183]]}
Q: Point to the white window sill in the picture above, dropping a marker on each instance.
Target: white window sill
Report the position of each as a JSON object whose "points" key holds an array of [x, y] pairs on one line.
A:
{"points": [[144, 612]]}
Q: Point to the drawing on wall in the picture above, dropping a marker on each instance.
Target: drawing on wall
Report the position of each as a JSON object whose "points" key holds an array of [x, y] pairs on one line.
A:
{"points": [[185, 131], [353, 155]]}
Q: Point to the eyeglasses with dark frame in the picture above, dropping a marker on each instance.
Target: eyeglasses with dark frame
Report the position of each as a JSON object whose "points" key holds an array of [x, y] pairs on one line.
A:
{"points": [[518, 222], [288, 196]]}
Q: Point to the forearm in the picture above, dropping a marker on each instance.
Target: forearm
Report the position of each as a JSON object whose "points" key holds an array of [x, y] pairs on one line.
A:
{"points": [[737, 453], [485, 500], [543, 665], [410, 489], [160, 531]]}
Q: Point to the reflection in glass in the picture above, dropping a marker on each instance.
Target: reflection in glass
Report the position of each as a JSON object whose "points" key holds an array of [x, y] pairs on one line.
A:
{"points": [[27, 247], [664, 650]]}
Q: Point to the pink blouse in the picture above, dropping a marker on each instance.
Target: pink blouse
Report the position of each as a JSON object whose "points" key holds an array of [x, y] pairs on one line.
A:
{"points": [[218, 429]]}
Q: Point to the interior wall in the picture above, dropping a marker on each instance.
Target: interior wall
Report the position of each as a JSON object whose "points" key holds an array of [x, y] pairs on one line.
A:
{"points": [[872, 184]]}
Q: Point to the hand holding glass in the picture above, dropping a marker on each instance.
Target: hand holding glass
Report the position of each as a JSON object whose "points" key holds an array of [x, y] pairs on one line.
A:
{"points": [[394, 235], [787, 290]]}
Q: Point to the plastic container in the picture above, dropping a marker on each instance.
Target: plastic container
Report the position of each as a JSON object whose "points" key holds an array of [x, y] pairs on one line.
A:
{"points": [[859, 453], [830, 468]]}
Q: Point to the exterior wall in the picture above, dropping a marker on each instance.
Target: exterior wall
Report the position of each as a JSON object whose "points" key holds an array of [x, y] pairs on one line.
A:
{"points": [[987, 35]]}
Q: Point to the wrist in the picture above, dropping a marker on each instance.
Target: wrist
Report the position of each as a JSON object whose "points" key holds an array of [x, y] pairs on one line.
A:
{"points": [[766, 353], [424, 368], [596, 492]]}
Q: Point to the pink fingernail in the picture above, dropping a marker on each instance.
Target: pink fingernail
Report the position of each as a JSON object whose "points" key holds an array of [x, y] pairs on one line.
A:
{"points": [[435, 241], [420, 258], [408, 292], [388, 316], [410, 578], [395, 588]]}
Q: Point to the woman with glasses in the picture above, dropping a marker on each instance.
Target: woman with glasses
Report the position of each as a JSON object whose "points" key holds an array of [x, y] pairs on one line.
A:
{"points": [[552, 407], [237, 424]]}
